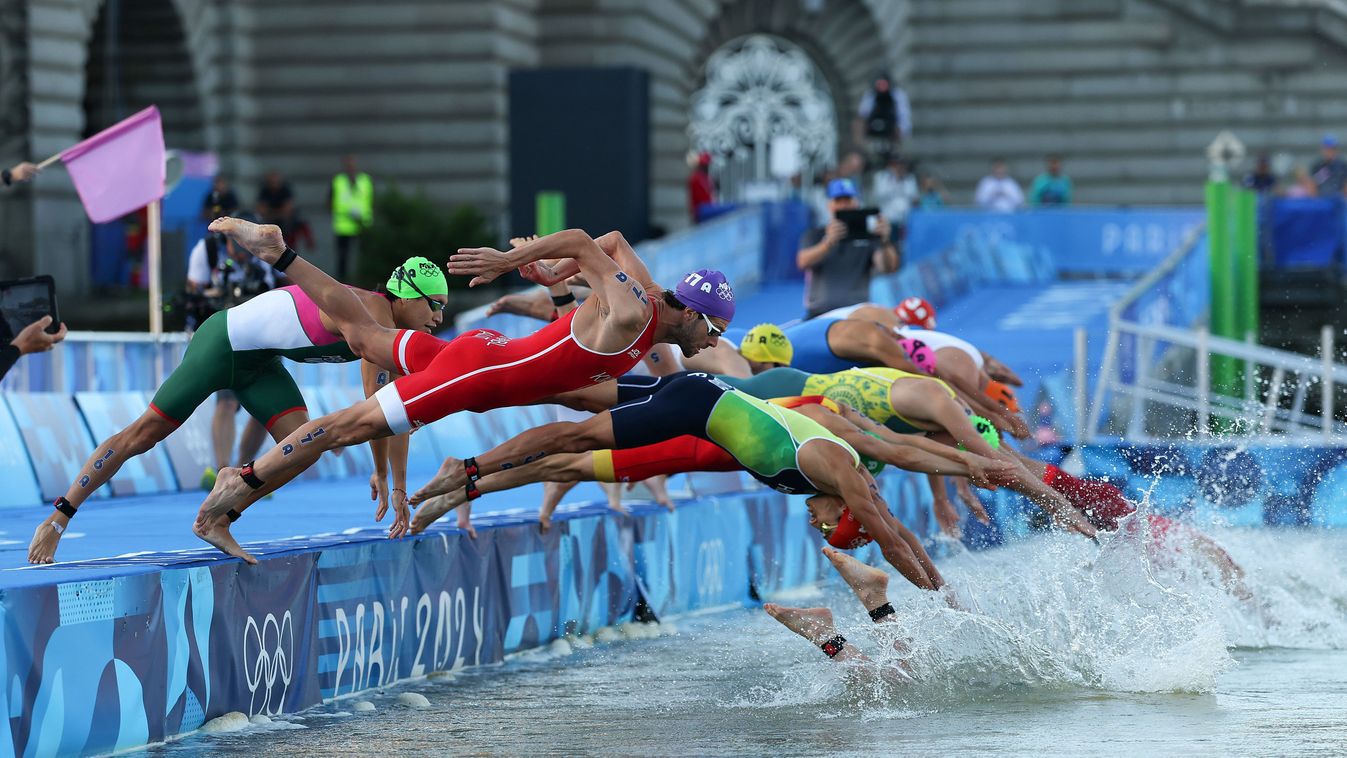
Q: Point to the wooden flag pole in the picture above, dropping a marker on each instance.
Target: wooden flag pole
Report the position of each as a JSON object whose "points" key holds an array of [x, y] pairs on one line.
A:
{"points": [[152, 256]]}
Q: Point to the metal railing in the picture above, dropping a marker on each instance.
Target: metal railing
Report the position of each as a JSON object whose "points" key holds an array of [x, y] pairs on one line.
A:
{"points": [[1155, 381]]}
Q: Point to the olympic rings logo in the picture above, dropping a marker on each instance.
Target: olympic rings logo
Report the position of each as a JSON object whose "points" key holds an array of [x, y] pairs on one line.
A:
{"points": [[269, 656]]}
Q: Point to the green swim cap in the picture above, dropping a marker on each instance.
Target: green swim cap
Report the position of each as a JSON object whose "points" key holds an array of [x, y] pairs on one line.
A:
{"points": [[419, 271], [988, 431]]}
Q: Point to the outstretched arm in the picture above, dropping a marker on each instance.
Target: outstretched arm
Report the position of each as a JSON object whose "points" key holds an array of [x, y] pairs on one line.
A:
{"points": [[613, 287]]}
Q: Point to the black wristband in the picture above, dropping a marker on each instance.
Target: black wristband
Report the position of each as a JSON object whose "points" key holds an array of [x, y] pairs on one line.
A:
{"points": [[834, 645], [65, 507], [286, 259], [882, 611], [6, 177], [566, 299]]}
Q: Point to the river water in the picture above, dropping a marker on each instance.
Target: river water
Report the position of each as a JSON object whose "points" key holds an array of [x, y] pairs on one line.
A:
{"points": [[1065, 648]]}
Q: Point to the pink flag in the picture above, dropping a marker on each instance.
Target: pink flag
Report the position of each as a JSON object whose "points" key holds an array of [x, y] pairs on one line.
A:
{"points": [[120, 169]]}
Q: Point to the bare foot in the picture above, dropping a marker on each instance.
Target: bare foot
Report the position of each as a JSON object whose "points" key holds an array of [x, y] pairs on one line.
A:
{"points": [[450, 477], [45, 539], [229, 492], [223, 540], [870, 584], [431, 511], [814, 624], [465, 522], [262, 240]]}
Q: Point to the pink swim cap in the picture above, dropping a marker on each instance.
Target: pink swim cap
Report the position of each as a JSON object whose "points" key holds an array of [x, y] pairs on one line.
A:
{"points": [[922, 356]]}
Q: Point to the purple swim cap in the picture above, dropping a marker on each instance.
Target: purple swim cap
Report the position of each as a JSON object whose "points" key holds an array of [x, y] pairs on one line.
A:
{"points": [[922, 356], [707, 291]]}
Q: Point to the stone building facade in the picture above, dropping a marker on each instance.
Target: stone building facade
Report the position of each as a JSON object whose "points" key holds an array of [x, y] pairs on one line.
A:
{"points": [[1130, 90]]}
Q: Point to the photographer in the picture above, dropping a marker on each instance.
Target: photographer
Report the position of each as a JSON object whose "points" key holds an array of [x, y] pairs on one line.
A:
{"points": [[838, 259], [32, 339], [219, 276]]}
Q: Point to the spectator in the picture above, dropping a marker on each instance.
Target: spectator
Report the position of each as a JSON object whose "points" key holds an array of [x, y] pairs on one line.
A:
{"points": [[31, 339], [998, 191], [1051, 187], [883, 120], [837, 267], [701, 189], [932, 192], [22, 172], [852, 167], [895, 194], [220, 201], [1301, 184], [276, 203], [1261, 180], [352, 201], [1329, 172]]}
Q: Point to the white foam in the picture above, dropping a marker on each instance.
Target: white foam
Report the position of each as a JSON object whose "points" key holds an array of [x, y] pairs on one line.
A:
{"points": [[413, 700], [230, 722], [362, 706]]}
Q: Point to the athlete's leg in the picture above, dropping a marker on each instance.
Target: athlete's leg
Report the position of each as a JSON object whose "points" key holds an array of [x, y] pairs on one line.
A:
{"points": [[871, 587], [361, 422], [368, 338], [679, 410], [254, 434], [816, 625], [222, 428], [143, 433], [509, 459]]}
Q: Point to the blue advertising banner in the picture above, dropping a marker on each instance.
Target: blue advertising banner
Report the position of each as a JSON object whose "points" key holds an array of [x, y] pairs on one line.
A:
{"points": [[108, 413], [15, 471], [58, 442], [1078, 240]]}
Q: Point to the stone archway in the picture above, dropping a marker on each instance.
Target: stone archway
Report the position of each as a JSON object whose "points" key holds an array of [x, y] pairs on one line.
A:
{"points": [[763, 95], [137, 56]]}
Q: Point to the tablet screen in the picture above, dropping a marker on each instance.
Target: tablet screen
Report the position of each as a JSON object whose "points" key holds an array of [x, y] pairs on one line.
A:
{"points": [[24, 301]]}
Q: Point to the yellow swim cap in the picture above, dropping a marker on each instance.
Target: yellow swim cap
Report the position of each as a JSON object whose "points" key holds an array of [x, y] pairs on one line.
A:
{"points": [[766, 343]]}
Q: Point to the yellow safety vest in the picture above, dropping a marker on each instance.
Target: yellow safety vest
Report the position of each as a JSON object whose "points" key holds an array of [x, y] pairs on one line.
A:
{"points": [[346, 198]]}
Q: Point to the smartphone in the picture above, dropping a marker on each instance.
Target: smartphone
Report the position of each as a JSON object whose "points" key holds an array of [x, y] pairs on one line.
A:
{"points": [[860, 222], [23, 301]]}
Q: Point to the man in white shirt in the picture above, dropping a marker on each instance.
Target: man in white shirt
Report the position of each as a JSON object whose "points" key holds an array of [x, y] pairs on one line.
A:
{"points": [[998, 191]]}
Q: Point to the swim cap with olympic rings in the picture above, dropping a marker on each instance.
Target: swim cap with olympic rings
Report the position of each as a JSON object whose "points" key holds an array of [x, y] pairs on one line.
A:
{"points": [[766, 343], [921, 355], [707, 291], [916, 311], [849, 534], [421, 272]]}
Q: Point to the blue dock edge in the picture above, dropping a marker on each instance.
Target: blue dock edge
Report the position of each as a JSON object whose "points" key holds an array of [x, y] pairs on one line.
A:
{"points": [[149, 652]]}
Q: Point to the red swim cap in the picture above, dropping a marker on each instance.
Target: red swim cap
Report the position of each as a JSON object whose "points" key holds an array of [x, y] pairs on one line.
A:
{"points": [[849, 533], [916, 311]]}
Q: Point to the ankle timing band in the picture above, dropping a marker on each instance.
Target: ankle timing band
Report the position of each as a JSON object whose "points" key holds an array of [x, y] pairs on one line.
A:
{"points": [[232, 515], [65, 507], [473, 473], [883, 611], [250, 478], [834, 645]]}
